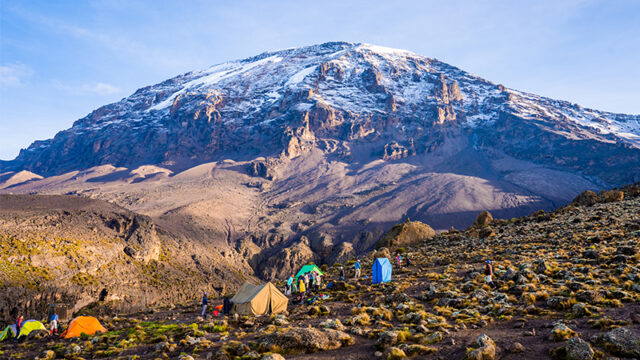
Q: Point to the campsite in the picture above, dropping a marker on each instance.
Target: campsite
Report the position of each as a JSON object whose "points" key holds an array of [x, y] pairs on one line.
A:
{"points": [[551, 298]]}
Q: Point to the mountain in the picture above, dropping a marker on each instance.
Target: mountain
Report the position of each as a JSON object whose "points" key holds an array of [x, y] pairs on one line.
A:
{"points": [[312, 153]]}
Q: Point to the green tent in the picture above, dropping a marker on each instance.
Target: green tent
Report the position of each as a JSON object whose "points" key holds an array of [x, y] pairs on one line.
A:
{"points": [[309, 268], [9, 332], [29, 326]]}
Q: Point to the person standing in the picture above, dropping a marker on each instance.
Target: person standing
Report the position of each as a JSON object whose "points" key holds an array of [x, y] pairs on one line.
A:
{"points": [[205, 302], [341, 273], [488, 272], [290, 284], [302, 288], [357, 267], [18, 325], [53, 322], [226, 305]]}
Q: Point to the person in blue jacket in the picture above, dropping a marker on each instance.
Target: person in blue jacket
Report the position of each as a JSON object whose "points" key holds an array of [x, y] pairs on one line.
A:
{"points": [[357, 267], [205, 302], [53, 322]]}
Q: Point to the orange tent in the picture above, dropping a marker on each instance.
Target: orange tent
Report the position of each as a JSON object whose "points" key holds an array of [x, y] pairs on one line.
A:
{"points": [[83, 325]]}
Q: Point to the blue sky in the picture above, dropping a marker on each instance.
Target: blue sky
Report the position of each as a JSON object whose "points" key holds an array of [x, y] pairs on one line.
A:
{"points": [[59, 60]]}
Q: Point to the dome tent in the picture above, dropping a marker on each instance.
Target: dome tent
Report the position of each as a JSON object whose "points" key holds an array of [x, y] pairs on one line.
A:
{"points": [[83, 325], [30, 326], [309, 268], [9, 332], [381, 271], [259, 300]]}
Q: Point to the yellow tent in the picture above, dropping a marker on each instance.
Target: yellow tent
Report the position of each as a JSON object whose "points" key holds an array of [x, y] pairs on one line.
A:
{"points": [[259, 300], [83, 325], [29, 326], [9, 332]]}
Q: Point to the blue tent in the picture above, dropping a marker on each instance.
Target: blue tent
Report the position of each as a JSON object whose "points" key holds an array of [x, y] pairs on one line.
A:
{"points": [[381, 270]]}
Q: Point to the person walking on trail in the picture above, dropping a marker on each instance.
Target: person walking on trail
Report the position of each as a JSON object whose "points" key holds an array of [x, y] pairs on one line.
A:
{"points": [[488, 274], [302, 288], [398, 260], [341, 273], [53, 322], [205, 302], [357, 267]]}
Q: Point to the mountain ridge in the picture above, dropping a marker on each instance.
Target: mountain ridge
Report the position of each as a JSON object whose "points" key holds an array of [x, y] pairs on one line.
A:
{"points": [[312, 153]]}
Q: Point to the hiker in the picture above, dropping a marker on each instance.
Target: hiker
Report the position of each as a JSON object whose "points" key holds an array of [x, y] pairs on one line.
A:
{"points": [[488, 272], [289, 285], [18, 325], [341, 273], [226, 305], [306, 280], [398, 260], [357, 267], [294, 285], [205, 302], [53, 322], [409, 262], [302, 287]]}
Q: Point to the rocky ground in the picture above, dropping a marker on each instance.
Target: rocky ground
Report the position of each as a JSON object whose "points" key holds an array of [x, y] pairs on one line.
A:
{"points": [[567, 287]]}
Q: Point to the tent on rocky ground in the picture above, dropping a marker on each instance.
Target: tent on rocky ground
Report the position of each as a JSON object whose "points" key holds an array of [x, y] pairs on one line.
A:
{"points": [[8, 333], [381, 271], [30, 326], [309, 268], [259, 300], [83, 325]]}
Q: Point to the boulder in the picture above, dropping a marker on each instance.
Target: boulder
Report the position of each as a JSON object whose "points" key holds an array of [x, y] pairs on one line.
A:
{"points": [[612, 196], [332, 324], [486, 349], [394, 353], [589, 296], [486, 232], [483, 219], [621, 342], [387, 339], [586, 198], [561, 332], [274, 356], [306, 340], [578, 349], [405, 234], [516, 348]]}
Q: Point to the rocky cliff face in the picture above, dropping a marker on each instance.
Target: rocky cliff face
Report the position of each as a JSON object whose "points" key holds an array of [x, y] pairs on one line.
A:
{"points": [[291, 154], [74, 252]]}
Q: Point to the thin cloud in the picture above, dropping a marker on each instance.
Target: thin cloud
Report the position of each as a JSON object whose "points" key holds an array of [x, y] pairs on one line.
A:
{"points": [[14, 74], [100, 88]]}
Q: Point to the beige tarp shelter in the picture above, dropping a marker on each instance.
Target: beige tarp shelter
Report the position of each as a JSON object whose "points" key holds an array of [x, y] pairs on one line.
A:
{"points": [[259, 300]]}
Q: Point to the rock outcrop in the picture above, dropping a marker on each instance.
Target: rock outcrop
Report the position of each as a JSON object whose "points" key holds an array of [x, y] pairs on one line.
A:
{"points": [[407, 233]]}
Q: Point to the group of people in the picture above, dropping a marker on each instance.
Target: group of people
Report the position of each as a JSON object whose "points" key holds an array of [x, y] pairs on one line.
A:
{"points": [[225, 308], [54, 324], [310, 281]]}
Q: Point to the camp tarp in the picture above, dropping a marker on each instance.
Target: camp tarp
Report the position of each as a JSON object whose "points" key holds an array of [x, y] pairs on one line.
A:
{"points": [[9, 332], [381, 271], [83, 325], [309, 268], [259, 300], [29, 326]]}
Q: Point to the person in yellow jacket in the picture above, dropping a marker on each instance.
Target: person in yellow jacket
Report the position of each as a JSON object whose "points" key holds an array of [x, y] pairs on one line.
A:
{"points": [[302, 288]]}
